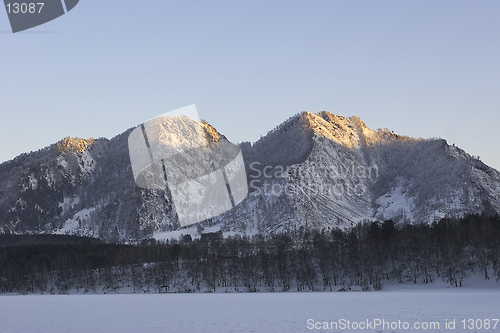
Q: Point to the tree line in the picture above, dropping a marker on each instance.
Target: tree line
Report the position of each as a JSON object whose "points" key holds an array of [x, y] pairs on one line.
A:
{"points": [[367, 256]]}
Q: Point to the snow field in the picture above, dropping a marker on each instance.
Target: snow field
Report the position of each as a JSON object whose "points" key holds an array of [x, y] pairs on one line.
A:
{"points": [[263, 312]]}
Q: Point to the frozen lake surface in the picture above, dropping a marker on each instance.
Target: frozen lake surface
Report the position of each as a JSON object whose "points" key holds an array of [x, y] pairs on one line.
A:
{"points": [[262, 312]]}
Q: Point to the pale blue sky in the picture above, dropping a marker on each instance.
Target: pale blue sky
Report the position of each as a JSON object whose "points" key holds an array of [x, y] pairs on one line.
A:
{"points": [[420, 68]]}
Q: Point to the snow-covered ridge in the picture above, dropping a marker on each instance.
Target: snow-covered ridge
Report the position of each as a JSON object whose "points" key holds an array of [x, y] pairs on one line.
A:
{"points": [[336, 170], [343, 172], [351, 132]]}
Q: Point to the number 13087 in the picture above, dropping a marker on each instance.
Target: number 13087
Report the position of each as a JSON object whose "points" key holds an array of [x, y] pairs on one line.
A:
{"points": [[24, 8]]}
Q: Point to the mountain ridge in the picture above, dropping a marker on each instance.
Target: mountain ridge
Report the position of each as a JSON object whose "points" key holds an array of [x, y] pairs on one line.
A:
{"points": [[335, 172]]}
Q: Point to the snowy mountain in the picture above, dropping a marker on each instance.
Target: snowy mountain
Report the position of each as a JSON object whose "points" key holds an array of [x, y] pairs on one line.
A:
{"points": [[315, 170], [339, 172]]}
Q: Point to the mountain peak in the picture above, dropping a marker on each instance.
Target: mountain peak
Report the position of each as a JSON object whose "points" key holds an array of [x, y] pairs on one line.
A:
{"points": [[335, 128], [75, 145], [351, 132]]}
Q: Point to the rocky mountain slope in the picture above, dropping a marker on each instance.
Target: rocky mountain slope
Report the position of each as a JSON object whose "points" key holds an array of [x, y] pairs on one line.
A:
{"points": [[315, 170]]}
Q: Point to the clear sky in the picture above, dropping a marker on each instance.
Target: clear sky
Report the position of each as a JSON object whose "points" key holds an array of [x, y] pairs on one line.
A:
{"points": [[420, 68]]}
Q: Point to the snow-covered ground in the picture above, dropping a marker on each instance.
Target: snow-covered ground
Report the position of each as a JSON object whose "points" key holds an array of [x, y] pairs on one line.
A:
{"points": [[73, 225], [264, 312]]}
